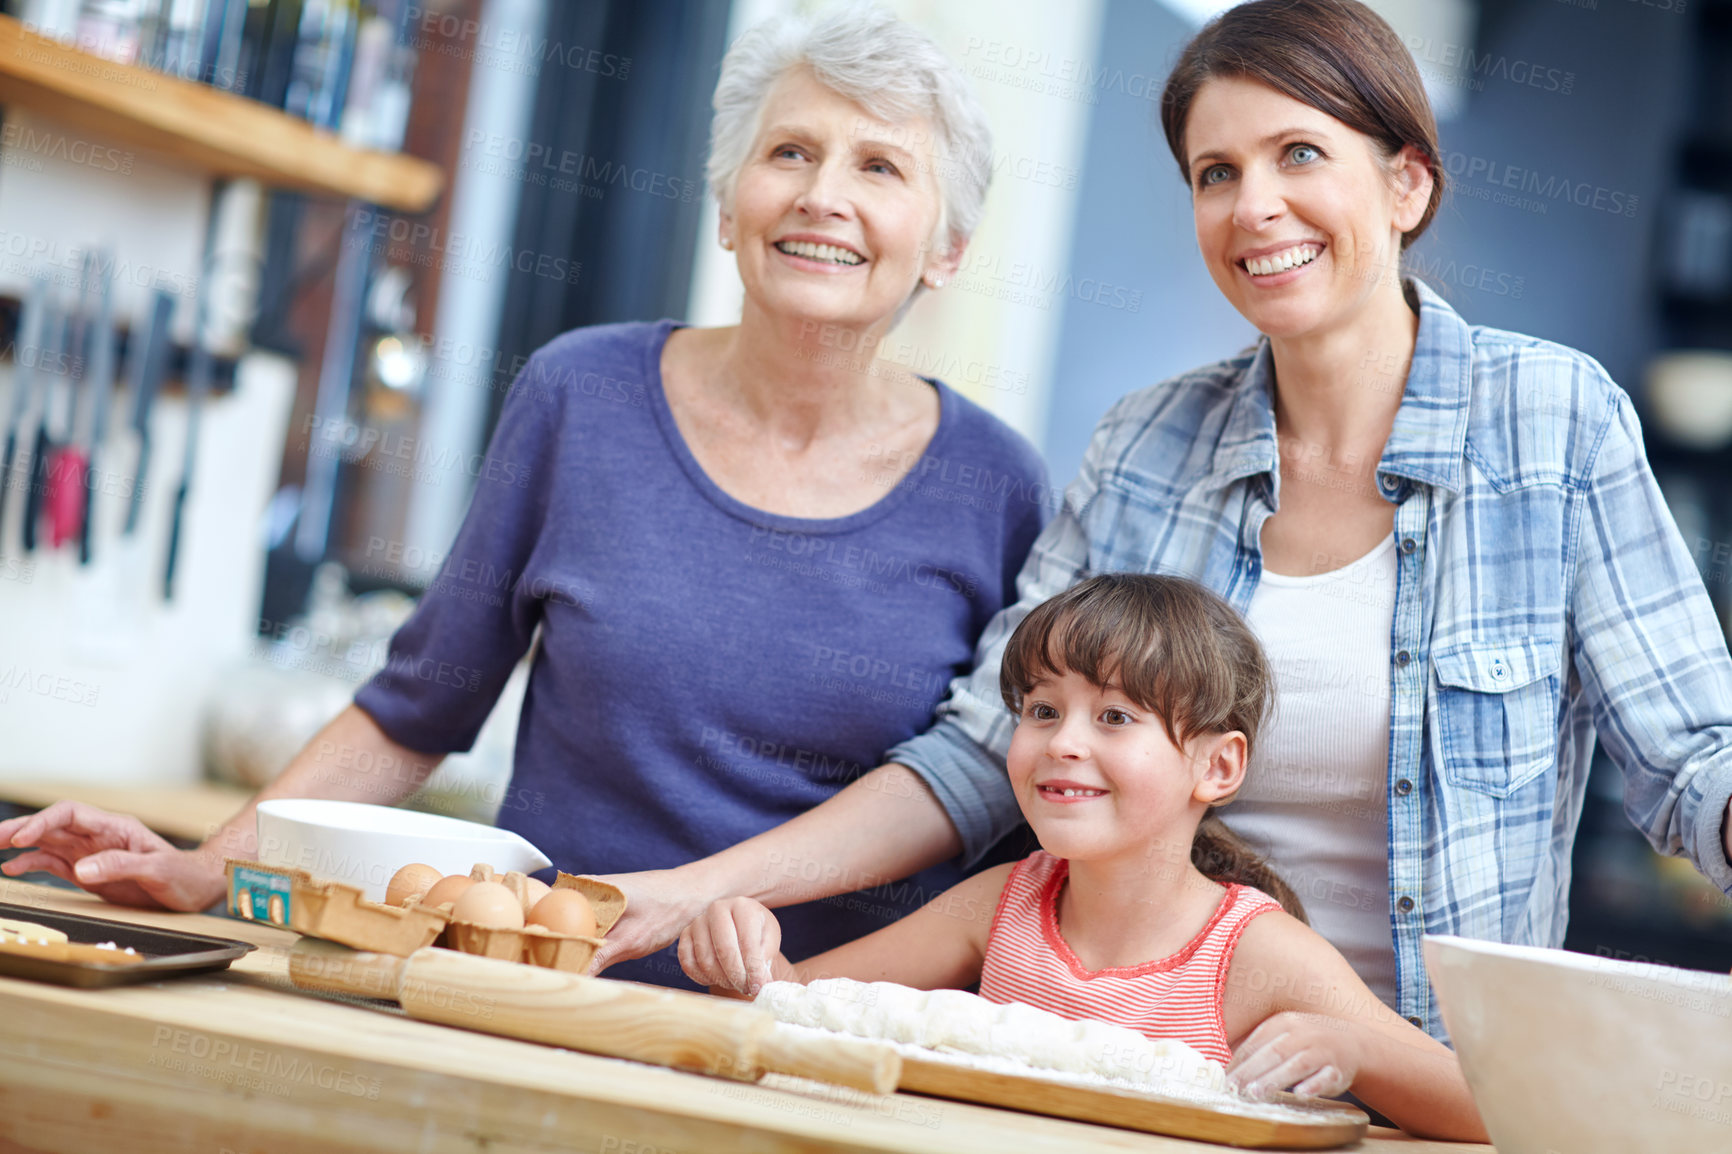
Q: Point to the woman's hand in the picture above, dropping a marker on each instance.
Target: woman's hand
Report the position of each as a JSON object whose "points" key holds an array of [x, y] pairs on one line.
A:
{"points": [[113, 856], [736, 944], [1306, 1053], [658, 905]]}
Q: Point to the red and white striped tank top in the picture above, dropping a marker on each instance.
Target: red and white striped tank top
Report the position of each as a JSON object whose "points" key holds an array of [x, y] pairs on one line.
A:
{"points": [[1028, 960]]}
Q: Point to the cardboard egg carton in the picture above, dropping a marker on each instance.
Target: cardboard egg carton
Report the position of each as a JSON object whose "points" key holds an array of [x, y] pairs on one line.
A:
{"points": [[536, 945], [281, 896]]}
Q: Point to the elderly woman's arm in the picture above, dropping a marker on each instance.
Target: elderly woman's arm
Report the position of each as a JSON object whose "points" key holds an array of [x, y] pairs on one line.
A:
{"points": [[117, 858], [885, 825], [1652, 658], [443, 676]]}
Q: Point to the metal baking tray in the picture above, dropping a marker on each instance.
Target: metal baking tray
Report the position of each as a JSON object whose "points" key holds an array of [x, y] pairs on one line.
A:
{"points": [[167, 953]]}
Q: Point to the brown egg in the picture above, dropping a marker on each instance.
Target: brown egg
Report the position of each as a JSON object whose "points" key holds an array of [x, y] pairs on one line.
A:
{"points": [[565, 912], [447, 889], [409, 883], [489, 904]]}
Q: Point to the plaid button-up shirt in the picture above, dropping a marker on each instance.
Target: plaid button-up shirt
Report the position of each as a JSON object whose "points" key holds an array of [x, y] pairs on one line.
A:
{"points": [[1544, 597]]}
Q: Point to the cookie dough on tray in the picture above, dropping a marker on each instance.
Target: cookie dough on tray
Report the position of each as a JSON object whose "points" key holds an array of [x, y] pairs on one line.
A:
{"points": [[13, 930]]}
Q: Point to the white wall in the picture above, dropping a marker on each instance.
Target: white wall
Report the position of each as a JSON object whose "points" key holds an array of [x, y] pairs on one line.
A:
{"points": [[100, 680]]}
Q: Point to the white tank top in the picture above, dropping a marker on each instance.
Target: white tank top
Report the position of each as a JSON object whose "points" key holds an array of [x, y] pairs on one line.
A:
{"points": [[1315, 798]]}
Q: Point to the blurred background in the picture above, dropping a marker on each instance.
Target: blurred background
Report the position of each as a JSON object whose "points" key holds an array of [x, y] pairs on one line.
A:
{"points": [[268, 268]]}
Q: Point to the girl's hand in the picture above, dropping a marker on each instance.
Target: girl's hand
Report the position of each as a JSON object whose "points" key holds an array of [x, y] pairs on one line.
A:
{"points": [[1307, 1053], [734, 944], [114, 856]]}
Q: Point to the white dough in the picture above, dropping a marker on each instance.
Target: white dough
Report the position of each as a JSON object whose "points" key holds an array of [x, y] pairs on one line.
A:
{"points": [[955, 1021], [958, 1020], [896, 1012]]}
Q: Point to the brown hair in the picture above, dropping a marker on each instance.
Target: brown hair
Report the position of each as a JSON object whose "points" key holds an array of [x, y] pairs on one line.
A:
{"points": [[1338, 56], [1175, 648]]}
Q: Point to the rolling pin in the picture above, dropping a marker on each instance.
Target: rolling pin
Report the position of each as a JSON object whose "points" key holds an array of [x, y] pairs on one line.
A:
{"points": [[621, 1019]]}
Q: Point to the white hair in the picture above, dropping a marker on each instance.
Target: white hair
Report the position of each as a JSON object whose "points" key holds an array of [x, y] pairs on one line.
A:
{"points": [[887, 66]]}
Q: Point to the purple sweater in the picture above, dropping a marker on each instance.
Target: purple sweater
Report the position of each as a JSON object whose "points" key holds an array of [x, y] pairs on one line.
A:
{"points": [[705, 670]]}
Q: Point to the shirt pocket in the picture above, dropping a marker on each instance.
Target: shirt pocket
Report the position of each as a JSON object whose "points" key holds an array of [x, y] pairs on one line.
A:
{"points": [[1497, 712]]}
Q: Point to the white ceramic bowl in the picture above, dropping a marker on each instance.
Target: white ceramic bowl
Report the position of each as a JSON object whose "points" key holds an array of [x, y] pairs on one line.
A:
{"points": [[1576, 1054], [363, 845]]}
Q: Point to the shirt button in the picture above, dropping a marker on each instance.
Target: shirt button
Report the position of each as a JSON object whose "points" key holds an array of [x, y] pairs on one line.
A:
{"points": [[1404, 787], [1499, 670], [1417, 1022], [1389, 483], [1405, 905], [1403, 657], [1408, 545]]}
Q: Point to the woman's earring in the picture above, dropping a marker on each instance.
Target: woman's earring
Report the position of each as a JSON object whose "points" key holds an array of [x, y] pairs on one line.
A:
{"points": [[935, 281], [728, 243]]}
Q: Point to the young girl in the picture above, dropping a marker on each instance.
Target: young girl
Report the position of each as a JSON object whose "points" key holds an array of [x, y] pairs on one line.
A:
{"points": [[1138, 700]]}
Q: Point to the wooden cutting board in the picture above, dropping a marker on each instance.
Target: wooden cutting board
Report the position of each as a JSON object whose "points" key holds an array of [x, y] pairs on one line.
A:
{"points": [[1310, 1124], [736, 1039]]}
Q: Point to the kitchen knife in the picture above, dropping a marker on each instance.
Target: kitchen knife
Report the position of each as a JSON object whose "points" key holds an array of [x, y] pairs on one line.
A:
{"points": [[197, 383], [26, 371], [101, 376], [51, 363], [65, 497], [197, 388], [147, 365]]}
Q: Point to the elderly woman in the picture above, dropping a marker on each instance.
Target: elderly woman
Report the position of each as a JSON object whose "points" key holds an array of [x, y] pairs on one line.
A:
{"points": [[1446, 537], [745, 590]]}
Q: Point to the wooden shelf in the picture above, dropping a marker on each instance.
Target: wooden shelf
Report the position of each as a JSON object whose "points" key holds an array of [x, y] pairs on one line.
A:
{"points": [[216, 131]]}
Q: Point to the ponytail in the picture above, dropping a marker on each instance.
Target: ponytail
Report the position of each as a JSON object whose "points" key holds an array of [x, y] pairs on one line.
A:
{"points": [[1223, 856]]}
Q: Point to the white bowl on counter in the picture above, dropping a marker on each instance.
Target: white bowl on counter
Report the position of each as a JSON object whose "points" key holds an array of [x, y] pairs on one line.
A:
{"points": [[1577, 1054], [363, 845]]}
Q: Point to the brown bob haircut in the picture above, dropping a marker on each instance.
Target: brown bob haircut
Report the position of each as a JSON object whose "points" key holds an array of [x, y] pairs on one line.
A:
{"points": [[1338, 56], [1173, 647]]}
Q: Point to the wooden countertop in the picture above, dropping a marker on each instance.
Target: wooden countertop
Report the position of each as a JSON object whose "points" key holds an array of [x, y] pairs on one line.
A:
{"points": [[192, 812], [241, 1061]]}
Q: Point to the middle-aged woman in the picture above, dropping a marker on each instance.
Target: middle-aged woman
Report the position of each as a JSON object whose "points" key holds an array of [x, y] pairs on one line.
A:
{"points": [[1446, 536], [754, 556]]}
